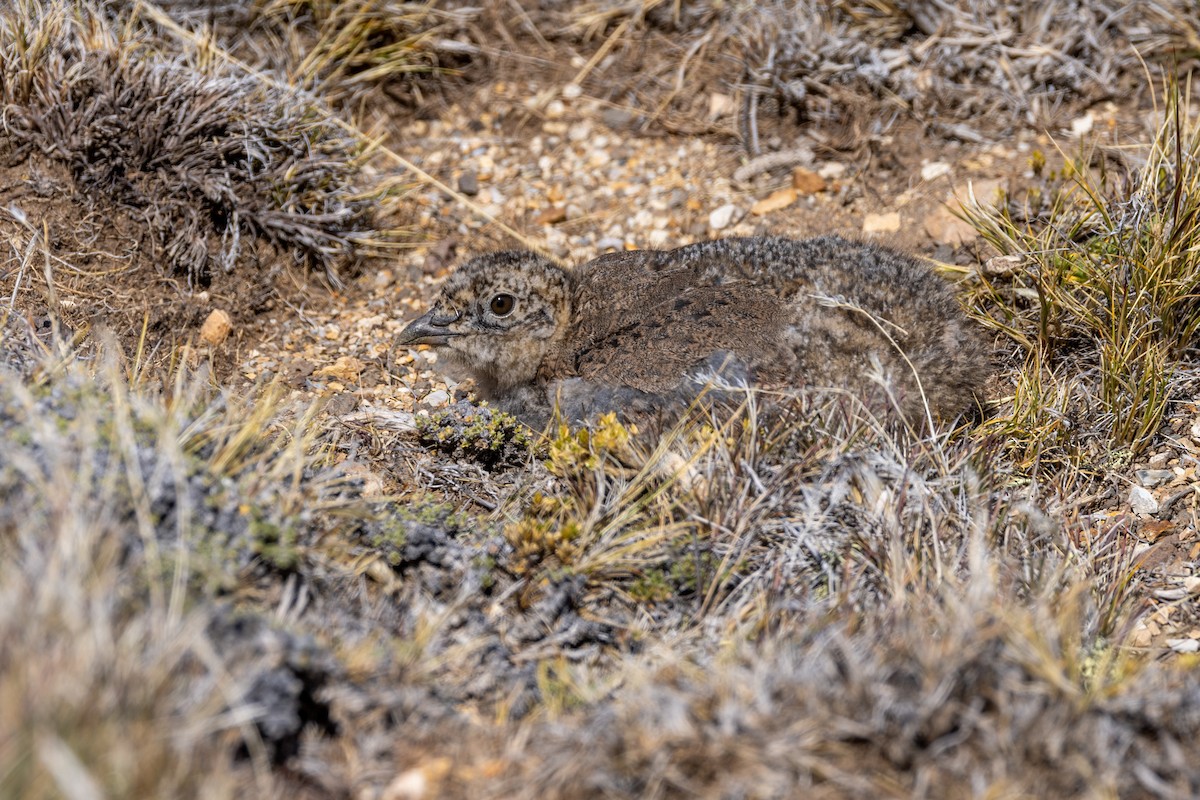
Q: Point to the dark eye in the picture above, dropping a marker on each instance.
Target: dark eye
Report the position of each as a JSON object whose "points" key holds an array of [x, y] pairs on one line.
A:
{"points": [[502, 304]]}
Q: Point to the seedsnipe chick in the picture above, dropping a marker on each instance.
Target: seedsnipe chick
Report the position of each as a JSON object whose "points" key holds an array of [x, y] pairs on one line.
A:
{"points": [[642, 331]]}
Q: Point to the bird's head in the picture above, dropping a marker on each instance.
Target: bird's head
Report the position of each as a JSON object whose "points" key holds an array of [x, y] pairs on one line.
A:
{"points": [[496, 318]]}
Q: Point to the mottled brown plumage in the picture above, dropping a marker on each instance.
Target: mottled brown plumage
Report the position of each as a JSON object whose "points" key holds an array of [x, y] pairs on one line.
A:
{"points": [[644, 330]]}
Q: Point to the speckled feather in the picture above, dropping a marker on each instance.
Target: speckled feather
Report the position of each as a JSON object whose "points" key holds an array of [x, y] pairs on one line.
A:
{"points": [[640, 331]]}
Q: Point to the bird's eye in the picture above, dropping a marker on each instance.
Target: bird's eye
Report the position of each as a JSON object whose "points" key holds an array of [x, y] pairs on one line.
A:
{"points": [[502, 304]]}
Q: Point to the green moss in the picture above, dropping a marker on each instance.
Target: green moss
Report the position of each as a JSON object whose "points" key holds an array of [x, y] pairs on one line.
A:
{"points": [[274, 542], [492, 439], [651, 587]]}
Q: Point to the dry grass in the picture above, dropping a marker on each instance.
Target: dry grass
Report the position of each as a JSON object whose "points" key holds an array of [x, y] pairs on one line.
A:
{"points": [[967, 70], [211, 162], [117, 501], [1107, 300], [777, 597]]}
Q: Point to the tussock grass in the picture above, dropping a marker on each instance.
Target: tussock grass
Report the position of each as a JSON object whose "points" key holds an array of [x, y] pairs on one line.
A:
{"points": [[357, 43], [211, 162], [1107, 301], [950, 698], [128, 509], [782, 508], [347, 51]]}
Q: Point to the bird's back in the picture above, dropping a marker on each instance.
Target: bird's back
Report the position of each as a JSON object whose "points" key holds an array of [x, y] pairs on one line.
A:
{"points": [[818, 312]]}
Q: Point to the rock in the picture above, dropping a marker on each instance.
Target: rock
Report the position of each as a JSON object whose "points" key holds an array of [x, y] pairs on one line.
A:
{"points": [[468, 183], [805, 181], [1002, 265], [616, 118], [1153, 477], [831, 170], [720, 105], [1141, 501], [722, 217], [1184, 645], [982, 193], [579, 132], [571, 91], [418, 783], [610, 243], [555, 109], [774, 201], [437, 398], [440, 256], [217, 327], [945, 228], [346, 368], [882, 223], [934, 170]]}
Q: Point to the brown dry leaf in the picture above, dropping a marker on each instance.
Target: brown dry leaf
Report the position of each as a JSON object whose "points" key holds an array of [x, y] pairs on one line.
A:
{"points": [[346, 368], [1156, 529], [774, 202], [805, 181]]}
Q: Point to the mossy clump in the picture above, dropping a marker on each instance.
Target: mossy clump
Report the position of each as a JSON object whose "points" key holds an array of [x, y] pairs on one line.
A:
{"points": [[585, 449], [464, 432], [402, 535], [548, 536]]}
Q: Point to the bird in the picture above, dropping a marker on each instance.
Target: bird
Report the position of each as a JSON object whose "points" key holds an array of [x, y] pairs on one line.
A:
{"points": [[644, 331]]}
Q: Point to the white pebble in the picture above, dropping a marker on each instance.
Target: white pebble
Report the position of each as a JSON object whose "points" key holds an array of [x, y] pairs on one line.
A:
{"points": [[437, 398], [579, 132], [1141, 501], [934, 170], [720, 218], [831, 170]]}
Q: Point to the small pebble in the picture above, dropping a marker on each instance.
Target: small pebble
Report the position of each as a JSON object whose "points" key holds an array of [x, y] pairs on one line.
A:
{"points": [[217, 327], [1153, 477], [468, 183], [437, 398], [1141, 501], [934, 170], [721, 218], [882, 223]]}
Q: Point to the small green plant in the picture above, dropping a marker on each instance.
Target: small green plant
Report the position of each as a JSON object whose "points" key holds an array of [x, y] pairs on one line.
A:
{"points": [[493, 439], [614, 515], [1110, 288]]}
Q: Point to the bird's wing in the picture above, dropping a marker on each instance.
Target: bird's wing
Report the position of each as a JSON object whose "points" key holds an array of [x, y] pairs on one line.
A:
{"points": [[727, 330]]}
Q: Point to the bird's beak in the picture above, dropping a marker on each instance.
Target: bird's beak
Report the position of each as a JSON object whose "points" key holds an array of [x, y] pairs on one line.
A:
{"points": [[428, 329]]}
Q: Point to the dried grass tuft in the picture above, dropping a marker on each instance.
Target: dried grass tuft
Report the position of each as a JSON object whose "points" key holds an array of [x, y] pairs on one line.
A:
{"points": [[210, 161]]}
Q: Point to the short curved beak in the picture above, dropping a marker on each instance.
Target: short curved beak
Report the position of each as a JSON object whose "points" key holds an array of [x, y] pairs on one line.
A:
{"points": [[427, 329]]}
